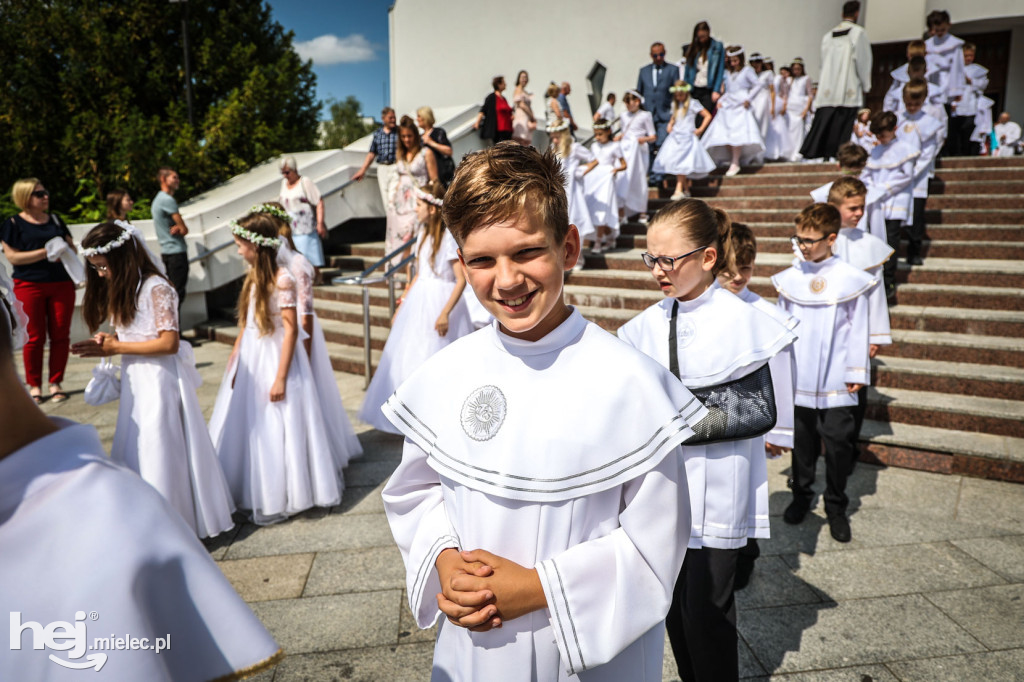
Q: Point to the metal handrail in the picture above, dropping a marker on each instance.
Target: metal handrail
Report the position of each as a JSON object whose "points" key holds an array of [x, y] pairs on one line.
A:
{"points": [[220, 247], [364, 279]]}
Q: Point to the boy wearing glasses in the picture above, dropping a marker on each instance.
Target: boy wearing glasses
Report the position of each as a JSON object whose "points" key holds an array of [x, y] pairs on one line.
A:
{"points": [[828, 297], [575, 513]]}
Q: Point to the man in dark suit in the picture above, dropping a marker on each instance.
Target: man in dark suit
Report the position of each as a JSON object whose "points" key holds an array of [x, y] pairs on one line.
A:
{"points": [[653, 83]]}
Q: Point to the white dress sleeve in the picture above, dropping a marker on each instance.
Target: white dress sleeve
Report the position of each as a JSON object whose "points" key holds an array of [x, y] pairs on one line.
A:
{"points": [[165, 306], [648, 125], [879, 329], [414, 504], [592, 589], [287, 295], [449, 250]]}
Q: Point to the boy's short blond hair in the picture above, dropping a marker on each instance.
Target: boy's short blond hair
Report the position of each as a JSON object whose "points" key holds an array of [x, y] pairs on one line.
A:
{"points": [[744, 245], [495, 184], [844, 188], [824, 218], [852, 157], [916, 90], [916, 48]]}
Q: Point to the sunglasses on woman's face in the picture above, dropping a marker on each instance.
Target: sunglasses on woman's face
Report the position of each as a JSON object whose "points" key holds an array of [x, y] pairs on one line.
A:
{"points": [[40, 194]]}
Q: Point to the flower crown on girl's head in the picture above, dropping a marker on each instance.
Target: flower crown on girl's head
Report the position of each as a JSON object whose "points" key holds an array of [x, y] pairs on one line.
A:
{"points": [[557, 125], [275, 211], [685, 87], [250, 236], [734, 53], [104, 249], [636, 94], [429, 198], [602, 126]]}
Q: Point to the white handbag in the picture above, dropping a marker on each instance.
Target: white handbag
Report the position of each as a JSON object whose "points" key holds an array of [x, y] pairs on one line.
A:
{"points": [[105, 384]]}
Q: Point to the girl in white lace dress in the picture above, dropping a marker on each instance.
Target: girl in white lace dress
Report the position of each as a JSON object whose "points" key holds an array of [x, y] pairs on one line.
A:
{"points": [[636, 132], [577, 162], [268, 425], [161, 433], [734, 136], [682, 154], [432, 315]]}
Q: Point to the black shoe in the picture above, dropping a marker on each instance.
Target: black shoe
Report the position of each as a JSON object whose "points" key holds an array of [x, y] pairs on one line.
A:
{"points": [[914, 260], [839, 526], [795, 512]]}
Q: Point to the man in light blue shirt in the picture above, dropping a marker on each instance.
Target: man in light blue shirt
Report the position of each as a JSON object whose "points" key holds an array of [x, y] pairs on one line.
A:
{"points": [[171, 231]]}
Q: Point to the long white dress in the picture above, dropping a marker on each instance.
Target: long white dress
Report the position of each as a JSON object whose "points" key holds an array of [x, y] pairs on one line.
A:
{"points": [[413, 339], [720, 338], [339, 426], [278, 457], [499, 456], [682, 153], [575, 192], [161, 433], [604, 206], [734, 125], [775, 140], [632, 184], [796, 127], [83, 536], [761, 104]]}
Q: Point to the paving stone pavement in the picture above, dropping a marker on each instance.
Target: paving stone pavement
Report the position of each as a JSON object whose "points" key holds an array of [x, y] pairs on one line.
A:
{"points": [[931, 588]]}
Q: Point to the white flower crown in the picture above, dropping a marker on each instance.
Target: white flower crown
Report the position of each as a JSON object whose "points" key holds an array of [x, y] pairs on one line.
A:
{"points": [[602, 126], [685, 87], [275, 211], [429, 198], [250, 236], [557, 126], [104, 249]]}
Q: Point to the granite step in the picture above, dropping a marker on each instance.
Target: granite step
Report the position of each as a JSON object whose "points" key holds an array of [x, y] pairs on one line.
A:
{"points": [[815, 175], [789, 202], [987, 216], [965, 413], [802, 189], [930, 248], [957, 378], [951, 232], [951, 347]]}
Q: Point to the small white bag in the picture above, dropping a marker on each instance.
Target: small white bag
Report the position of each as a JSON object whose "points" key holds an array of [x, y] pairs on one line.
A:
{"points": [[105, 384]]}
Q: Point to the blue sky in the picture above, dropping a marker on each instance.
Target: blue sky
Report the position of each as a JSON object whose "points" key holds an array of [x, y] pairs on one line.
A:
{"points": [[348, 42]]}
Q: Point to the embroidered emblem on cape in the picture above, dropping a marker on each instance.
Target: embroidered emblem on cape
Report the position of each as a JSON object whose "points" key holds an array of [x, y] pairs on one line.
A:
{"points": [[483, 413], [686, 332], [908, 127], [818, 284]]}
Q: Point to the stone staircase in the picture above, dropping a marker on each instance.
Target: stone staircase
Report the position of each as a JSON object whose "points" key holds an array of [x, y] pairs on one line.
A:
{"points": [[948, 396]]}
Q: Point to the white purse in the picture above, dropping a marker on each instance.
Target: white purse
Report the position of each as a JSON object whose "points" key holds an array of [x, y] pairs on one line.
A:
{"points": [[105, 384]]}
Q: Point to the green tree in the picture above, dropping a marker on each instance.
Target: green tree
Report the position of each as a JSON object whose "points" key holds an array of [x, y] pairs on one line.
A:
{"points": [[96, 94], [345, 125]]}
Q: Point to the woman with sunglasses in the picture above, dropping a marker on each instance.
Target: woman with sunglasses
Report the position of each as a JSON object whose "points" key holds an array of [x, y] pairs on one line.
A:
{"points": [[43, 287]]}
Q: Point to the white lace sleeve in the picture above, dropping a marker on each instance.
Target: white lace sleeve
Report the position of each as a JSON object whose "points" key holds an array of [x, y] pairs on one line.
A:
{"points": [[304, 289], [286, 290], [165, 306]]}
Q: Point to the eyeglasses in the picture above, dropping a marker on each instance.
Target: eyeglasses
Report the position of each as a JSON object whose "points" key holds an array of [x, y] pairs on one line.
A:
{"points": [[40, 194], [801, 243], [99, 268], [667, 263]]}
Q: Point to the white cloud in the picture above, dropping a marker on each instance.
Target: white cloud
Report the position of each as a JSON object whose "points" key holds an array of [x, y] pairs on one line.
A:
{"points": [[330, 49]]}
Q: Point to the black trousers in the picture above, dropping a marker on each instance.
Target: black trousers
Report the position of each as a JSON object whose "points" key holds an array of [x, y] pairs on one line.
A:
{"points": [[835, 426], [958, 142], [702, 621], [915, 232], [831, 127], [176, 265], [703, 95]]}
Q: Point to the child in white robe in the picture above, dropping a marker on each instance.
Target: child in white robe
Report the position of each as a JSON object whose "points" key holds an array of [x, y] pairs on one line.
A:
{"points": [[945, 51], [915, 122], [852, 159], [268, 426], [761, 105], [775, 142], [713, 342], [602, 186], [798, 109], [890, 169], [83, 535], [868, 253], [432, 313], [161, 432], [577, 162], [569, 528], [965, 109], [827, 295], [734, 137], [682, 154], [933, 102], [636, 132]]}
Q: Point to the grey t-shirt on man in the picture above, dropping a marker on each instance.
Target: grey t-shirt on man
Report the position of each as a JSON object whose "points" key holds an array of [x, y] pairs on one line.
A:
{"points": [[163, 207]]}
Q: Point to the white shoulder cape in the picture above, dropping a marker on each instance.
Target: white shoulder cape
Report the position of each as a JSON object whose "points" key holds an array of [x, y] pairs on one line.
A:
{"points": [[819, 284], [860, 249], [543, 421], [892, 155]]}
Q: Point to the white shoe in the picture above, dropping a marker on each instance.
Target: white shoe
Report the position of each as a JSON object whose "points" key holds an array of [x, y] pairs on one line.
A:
{"points": [[677, 196], [733, 170]]}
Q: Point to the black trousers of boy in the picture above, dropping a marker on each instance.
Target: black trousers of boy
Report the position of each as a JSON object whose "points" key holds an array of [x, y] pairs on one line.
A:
{"points": [[835, 426], [859, 410], [915, 232], [702, 621], [893, 231], [959, 138], [176, 265]]}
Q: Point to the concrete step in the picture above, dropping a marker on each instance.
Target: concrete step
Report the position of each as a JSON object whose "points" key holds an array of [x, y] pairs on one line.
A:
{"points": [[930, 248], [951, 232], [981, 162], [963, 413], [802, 189], [958, 378], [987, 216], [1009, 323], [796, 203], [942, 450], [950, 347], [816, 175]]}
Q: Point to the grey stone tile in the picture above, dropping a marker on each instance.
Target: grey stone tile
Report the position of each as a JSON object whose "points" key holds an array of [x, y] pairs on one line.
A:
{"points": [[380, 446], [883, 571], [218, 546], [408, 630], [991, 666], [267, 578], [356, 570], [773, 584], [920, 492], [749, 668], [859, 673], [405, 663], [810, 637], [1004, 555], [369, 472], [995, 615], [344, 621], [996, 503], [361, 500], [331, 533]]}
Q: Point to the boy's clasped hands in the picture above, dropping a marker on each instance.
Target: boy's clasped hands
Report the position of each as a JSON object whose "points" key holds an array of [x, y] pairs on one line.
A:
{"points": [[480, 590]]}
